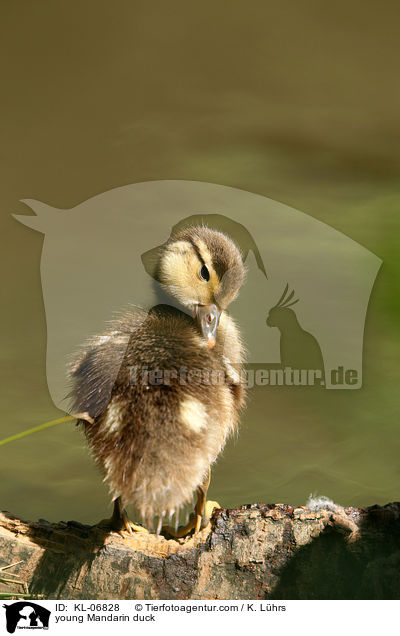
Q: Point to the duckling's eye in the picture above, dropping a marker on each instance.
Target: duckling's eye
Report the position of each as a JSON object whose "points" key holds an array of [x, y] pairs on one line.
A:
{"points": [[204, 273]]}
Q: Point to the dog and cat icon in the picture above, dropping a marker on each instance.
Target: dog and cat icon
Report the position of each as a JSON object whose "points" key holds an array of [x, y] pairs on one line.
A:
{"points": [[26, 615]]}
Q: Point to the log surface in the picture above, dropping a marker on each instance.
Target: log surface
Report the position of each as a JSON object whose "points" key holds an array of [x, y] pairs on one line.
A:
{"points": [[256, 551]]}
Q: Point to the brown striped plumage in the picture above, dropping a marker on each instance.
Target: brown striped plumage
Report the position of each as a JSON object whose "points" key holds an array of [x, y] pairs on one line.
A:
{"points": [[155, 439]]}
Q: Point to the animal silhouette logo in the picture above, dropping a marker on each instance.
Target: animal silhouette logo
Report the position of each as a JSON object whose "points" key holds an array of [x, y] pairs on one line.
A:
{"points": [[98, 260], [299, 349], [26, 615], [238, 232]]}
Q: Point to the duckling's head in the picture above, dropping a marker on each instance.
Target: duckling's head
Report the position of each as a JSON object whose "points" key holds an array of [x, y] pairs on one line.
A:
{"points": [[203, 269]]}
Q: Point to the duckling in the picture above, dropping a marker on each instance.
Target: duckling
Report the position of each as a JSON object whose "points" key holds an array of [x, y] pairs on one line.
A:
{"points": [[162, 390]]}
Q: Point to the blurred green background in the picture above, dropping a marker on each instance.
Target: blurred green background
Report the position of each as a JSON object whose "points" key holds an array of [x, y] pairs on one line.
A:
{"points": [[297, 101]]}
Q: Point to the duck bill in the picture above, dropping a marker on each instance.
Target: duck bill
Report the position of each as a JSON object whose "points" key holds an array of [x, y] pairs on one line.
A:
{"points": [[207, 317]]}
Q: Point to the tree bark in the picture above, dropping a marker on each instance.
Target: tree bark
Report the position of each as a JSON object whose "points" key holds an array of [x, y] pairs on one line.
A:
{"points": [[253, 552]]}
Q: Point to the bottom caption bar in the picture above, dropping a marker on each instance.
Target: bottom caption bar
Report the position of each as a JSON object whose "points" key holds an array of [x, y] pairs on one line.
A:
{"points": [[59, 617]]}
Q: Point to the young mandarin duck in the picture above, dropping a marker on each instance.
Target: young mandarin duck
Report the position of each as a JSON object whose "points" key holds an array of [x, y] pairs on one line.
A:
{"points": [[161, 391]]}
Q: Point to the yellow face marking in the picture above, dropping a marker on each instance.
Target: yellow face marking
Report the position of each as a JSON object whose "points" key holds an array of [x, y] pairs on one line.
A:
{"points": [[179, 272], [193, 414], [214, 282]]}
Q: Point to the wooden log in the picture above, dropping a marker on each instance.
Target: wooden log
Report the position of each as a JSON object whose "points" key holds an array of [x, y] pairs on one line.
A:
{"points": [[256, 551]]}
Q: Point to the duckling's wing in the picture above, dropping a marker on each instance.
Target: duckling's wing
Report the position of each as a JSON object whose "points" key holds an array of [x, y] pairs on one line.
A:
{"points": [[94, 372], [95, 369]]}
